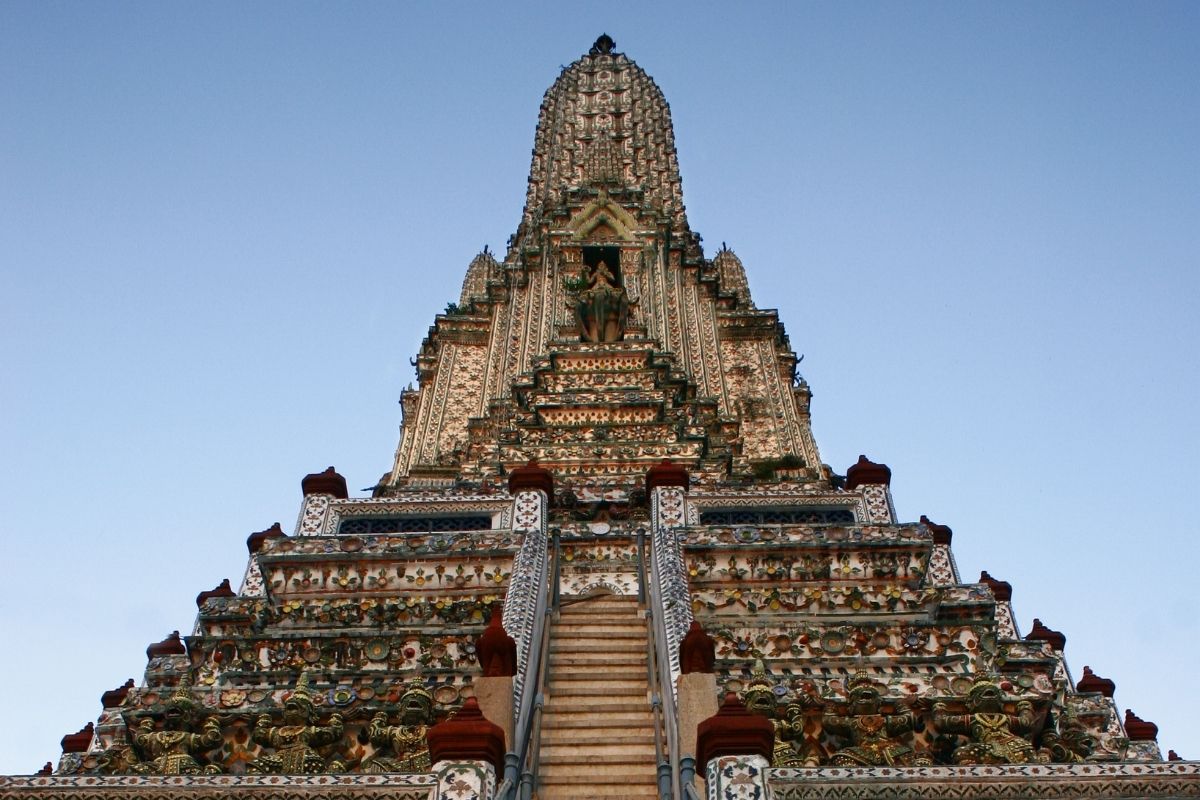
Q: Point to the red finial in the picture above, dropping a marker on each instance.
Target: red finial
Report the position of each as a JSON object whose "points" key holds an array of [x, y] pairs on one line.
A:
{"points": [[255, 541], [697, 651], [223, 589], [1138, 729], [1001, 590], [78, 742], [941, 533], [1091, 682], [734, 731], [866, 472], [531, 476], [497, 650], [467, 736], [114, 697], [327, 482], [666, 473], [170, 646], [1041, 633]]}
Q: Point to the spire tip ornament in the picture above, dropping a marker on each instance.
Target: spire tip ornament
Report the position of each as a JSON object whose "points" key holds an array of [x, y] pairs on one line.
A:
{"points": [[602, 46]]}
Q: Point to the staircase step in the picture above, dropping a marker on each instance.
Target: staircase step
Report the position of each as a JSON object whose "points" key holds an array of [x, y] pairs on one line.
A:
{"points": [[597, 660], [574, 646], [568, 791], [609, 702], [635, 719], [583, 672], [606, 631], [623, 605], [591, 735], [586, 693], [622, 602], [600, 646], [589, 617], [620, 704], [599, 679], [594, 685], [588, 756], [597, 792], [598, 775], [598, 674], [598, 784]]}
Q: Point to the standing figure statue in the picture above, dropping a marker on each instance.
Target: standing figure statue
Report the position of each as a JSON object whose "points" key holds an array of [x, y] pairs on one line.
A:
{"points": [[876, 738], [296, 739], [169, 751], [759, 697], [997, 736], [407, 742], [602, 308], [1069, 743]]}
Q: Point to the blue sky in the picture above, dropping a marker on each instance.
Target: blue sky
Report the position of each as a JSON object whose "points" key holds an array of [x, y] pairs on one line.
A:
{"points": [[225, 228]]}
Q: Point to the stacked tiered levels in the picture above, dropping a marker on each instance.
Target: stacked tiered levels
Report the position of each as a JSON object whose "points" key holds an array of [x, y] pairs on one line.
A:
{"points": [[606, 521]]}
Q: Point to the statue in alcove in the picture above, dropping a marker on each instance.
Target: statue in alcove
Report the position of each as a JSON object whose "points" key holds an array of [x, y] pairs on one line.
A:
{"points": [[173, 749], [998, 735], [297, 739], [407, 741], [877, 738], [603, 307], [790, 749]]}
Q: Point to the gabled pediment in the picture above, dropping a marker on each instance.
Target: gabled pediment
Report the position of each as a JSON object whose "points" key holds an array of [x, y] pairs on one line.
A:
{"points": [[602, 220]]}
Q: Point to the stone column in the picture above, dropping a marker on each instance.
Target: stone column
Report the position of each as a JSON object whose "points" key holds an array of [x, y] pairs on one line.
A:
{"points": [[320, 490], [467, 751], [465, 780], [874, 482], [942, 569], [497, 654]]}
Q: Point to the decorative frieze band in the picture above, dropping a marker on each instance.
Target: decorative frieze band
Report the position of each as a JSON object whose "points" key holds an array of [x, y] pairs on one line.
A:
{"points": [[258, 787], [1007, 782]]}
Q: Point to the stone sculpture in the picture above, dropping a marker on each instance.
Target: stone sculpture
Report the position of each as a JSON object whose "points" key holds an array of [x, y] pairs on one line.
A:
{"points": [[997, 736], [759, 697], [296, 739], [877, 738], [603, 308], [170, 751], [1070, 743], [407, 741]]}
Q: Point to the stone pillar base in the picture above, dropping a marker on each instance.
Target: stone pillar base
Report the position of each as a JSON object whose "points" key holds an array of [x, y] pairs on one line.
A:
{"points": [[495, 696], [465, 780], [696, 701], [738, 778]]}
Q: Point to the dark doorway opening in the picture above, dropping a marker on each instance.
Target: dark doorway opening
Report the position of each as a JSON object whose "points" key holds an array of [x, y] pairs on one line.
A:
{"points": [[609, 254]]}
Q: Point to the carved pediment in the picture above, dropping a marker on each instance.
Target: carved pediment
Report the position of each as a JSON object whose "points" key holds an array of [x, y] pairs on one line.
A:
{"points": [[602, 232], [602, 221]]}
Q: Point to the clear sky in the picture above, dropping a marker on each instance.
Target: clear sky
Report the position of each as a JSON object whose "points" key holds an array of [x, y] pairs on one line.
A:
{"points": [[225, 228]]}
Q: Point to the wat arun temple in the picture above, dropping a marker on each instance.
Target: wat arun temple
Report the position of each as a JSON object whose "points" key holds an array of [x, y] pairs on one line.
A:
{"points": [[607, 561]]}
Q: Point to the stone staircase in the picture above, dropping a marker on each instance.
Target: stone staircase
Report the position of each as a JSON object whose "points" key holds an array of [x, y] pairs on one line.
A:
{"points": [[597, 728]]}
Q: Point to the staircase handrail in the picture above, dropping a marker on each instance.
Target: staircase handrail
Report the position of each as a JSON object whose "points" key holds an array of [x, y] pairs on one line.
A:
{"points": [[520, 763], [661, 689]]}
